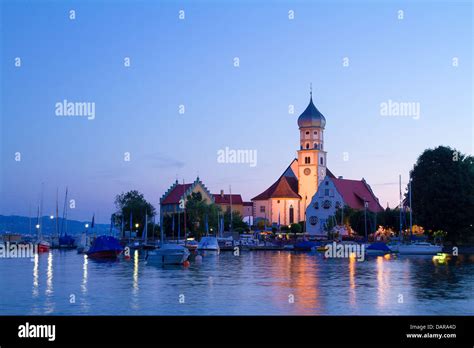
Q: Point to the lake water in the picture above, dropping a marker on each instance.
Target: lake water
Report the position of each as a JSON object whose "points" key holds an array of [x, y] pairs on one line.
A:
{"points": [[254, 283]]}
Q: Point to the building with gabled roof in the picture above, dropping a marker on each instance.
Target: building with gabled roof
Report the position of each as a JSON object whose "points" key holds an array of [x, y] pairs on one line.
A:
{"points": [[334, 193], [178, 193]]}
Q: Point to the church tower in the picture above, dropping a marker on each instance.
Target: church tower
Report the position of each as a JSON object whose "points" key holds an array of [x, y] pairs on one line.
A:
{"points": [[311, 155]]}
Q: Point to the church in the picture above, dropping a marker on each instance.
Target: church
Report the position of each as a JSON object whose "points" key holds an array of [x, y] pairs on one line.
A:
{"points": [[288, 199], [285, 201]]}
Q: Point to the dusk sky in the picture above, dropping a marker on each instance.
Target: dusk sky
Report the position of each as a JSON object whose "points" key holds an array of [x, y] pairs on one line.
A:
{"points": [[190, 62]]}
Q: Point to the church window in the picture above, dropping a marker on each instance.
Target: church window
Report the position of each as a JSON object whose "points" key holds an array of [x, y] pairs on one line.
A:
{"points": [[315, 133], [315, 145], [326, 192], [307, 145], [278, 201], [326, 183], [313, 220], [321, 161], [307, 133], [292, 214], [262, 209]]}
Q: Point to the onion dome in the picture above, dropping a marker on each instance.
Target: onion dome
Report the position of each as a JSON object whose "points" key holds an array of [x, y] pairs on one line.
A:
{"points": [[311, 117]]}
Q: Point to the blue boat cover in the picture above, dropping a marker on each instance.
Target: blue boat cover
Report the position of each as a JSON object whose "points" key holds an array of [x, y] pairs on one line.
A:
{"points": [[378, 246], [105, 243], [306, 244]]}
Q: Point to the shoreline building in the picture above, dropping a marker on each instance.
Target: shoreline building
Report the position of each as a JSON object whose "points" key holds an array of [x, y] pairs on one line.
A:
{"points": [[178, 193], [285, 201], [333, 194], [170, 201]]}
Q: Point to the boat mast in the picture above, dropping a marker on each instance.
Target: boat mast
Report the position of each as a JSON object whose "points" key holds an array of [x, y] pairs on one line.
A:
{"points": [[400, 206], [365, 220], [41, 213], [411, 210], [64, 212], [57, 213], [230, 195], [145, 231], [184, 202]]}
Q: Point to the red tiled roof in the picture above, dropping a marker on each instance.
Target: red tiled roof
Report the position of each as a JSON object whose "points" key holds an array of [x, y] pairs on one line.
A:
{"points": [[176, 194], [225, 199], [355, 192], [284, 187]]}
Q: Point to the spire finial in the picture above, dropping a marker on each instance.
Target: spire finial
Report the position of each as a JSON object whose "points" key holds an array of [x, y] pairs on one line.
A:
{"points": [[311, 90]]}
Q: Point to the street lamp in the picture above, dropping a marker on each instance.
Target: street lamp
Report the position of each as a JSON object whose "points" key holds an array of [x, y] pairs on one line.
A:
{"points": [[86, 225], [51, 217], [37, 226]]}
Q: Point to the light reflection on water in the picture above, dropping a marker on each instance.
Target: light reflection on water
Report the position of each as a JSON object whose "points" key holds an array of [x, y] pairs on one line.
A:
{"points": [[262, 283]]}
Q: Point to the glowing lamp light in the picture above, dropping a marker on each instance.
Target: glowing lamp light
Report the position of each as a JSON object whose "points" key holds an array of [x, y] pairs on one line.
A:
{"points": [[51, 217], [37, 226], [86, 225], [136, 225]]}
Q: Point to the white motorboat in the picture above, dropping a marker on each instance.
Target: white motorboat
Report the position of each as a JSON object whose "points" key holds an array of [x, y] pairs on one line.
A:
{"points": [[168, 254], [208, 243], [417, 248], [84, 244]]}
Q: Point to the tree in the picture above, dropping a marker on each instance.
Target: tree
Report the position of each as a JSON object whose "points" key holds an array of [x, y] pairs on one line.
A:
{"points": [[295, 228], [132, 202], [443, 192]]}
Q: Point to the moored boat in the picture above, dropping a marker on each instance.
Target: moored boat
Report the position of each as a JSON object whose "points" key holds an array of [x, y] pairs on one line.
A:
{"points": [[168, 254], [208, 243], [418, 248], [105, 247], [305, 245], [43, 246], [378, 248]]}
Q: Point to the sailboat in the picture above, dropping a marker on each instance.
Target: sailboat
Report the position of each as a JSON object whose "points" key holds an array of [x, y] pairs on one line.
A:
{"points": [[43, 245], [414, 247], [167, 254], [66, 241]]}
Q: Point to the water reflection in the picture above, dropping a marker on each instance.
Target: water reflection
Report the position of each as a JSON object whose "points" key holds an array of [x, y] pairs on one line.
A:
{"points": [[352, 284], [383, 277], [84, 274], [35, 275], [135, 272], [49, 275], [254, 283]]}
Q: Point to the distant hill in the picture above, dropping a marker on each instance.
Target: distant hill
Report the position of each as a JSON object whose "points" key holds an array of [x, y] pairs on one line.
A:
{"points": [[21, 224]]}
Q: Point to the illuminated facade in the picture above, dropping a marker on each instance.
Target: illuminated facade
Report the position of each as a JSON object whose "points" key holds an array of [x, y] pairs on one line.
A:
{"points": [[285, 201]]}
